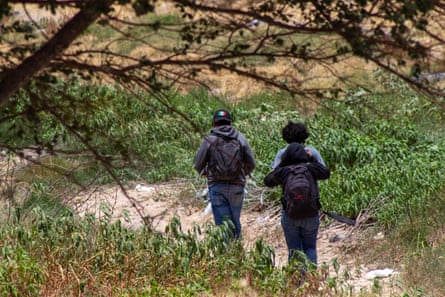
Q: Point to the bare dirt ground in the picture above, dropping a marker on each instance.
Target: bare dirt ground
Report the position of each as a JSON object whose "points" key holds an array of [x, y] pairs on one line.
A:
{"points": [[159, 203]]}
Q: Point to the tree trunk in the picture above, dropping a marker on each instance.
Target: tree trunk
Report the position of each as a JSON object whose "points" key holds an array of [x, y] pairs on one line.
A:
{"points": [[14, 79]]}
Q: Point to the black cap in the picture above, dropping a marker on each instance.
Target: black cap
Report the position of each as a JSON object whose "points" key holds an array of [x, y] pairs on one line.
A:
{"points": [[222, 115]]}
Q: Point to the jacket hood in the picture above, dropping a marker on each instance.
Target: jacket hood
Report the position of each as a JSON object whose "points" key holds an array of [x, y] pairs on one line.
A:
{"points": [[294, 154], [225, 131]]}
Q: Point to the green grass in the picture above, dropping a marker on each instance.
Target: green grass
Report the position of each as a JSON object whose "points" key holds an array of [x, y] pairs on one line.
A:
{"points": [[123, 261]]}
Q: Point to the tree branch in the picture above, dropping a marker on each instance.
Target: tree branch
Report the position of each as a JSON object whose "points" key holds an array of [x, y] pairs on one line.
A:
{"points": [[14, 79]]}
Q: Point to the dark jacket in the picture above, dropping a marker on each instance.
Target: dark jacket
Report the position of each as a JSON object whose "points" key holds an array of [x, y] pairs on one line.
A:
{"points": [[203, 154], [296, 154]]}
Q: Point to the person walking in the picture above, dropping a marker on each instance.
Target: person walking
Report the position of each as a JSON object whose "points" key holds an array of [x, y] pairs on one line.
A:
{"points": [[300, 233], [226, 159], [297, 132]]}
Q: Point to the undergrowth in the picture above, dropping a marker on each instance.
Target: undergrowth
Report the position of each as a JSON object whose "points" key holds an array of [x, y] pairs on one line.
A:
{"points": [[67, 256]]}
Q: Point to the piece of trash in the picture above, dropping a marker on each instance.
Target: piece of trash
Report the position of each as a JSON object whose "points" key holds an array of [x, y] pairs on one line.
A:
{"points": [[254, 23], [379, 236], [336, 237], [207, 210], [141, 188], [262, 219], [379, 273], [205, 192]]}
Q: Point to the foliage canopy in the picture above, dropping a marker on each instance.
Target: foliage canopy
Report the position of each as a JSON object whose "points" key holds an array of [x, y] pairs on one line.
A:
{"points": [[155, 45]]}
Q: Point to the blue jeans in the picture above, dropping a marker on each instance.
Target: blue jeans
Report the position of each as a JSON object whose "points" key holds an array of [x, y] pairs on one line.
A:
{"points": [[227, 201], [301, 235]]}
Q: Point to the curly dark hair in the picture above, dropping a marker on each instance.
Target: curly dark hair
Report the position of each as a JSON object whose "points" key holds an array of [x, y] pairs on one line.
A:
{"points": [[295, 132]]}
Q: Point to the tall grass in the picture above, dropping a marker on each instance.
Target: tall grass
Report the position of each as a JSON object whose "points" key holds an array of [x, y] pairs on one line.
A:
{"points": [[65, 256]]}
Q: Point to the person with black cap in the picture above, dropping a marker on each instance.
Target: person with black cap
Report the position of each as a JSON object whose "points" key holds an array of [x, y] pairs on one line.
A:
{"points": [[226, 159]]}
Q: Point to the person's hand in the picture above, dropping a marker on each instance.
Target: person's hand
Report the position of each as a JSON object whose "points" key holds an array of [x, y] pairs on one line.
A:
{"points": [[309, 155]]}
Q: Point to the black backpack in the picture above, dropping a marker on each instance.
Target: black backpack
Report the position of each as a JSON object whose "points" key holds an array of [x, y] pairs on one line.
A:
{"points": [[226, 158], [299, 195]]}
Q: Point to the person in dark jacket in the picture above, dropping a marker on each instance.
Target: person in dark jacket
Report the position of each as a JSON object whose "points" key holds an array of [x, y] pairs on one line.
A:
{"points": [[226, 195], [300, 234]]}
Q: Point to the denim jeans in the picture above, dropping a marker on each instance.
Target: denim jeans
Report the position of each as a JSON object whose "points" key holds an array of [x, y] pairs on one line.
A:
{"points": [[227, 201], [301, 235]]}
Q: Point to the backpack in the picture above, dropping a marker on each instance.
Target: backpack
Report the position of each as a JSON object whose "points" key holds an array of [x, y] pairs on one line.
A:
{"points": [[299, 197], [226, 159]]}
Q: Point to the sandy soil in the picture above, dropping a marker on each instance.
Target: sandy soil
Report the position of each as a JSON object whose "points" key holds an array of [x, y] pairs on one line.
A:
{"points": [[161, 202]]}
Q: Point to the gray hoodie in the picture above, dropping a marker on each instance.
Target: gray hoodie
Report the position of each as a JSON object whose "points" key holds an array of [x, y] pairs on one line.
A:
{"points": [[204, 151]]}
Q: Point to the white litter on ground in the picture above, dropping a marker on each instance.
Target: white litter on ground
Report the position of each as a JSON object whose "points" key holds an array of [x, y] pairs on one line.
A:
{"points": [[379, 273], [204, 192], [141, 188], [262, 219], [207, 210]]}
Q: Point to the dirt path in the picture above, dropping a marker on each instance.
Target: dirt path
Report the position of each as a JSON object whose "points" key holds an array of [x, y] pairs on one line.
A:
{"points": [[161, 202]]}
